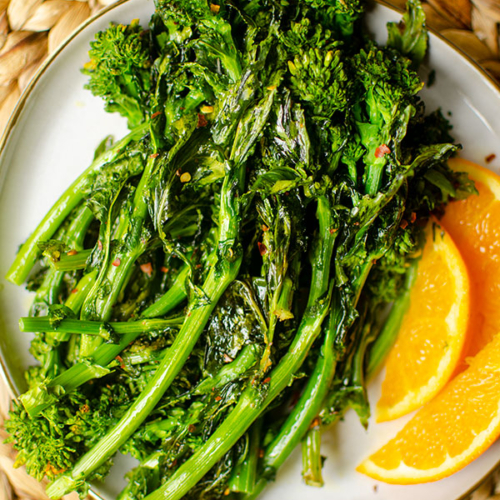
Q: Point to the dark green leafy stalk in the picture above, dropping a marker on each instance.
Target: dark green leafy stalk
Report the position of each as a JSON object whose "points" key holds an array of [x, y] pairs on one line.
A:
{"points": [[410, 36], [73, 196], [245, 360]]}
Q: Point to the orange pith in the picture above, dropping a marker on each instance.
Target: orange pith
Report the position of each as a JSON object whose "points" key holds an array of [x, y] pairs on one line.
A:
{"points": [[474, 224], [432, 332], [450, 431]]}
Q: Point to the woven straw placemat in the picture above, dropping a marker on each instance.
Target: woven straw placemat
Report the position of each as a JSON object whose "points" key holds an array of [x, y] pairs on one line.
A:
{"points": [[30, 30]]}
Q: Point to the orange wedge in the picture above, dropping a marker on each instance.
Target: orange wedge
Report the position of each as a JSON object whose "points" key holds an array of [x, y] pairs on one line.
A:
{"points": [[474, 225], [432, 332], [450, 431]]}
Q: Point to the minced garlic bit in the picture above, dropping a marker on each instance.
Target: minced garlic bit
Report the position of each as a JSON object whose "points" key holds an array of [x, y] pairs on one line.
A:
{"points": [[185, 177], [207, 109]]}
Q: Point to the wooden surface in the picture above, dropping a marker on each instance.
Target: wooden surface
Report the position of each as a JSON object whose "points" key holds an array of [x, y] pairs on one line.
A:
{"points": [[31, 29]]}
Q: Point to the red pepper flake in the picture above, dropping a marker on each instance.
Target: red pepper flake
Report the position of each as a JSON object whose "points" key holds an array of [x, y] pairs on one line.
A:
{"points": [[262, 248], [404, 224], [154, 155], [490, 158], [85, 408], [266, 380], [147, 268], [261, 453], [226, 492], [202, 121], [264, 228], [381, 151], [413, 217], [72, 252], [120, 360], [75, 290], [164, 269], [314, 423], [99, 245], [191, 428], [154, 115], [227, 359], [218, 398], [198, 266], [356, 223], [333, 230], [116, 262]]}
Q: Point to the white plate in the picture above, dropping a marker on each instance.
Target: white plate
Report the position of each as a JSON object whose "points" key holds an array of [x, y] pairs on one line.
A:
{"points": [[56, 129]]}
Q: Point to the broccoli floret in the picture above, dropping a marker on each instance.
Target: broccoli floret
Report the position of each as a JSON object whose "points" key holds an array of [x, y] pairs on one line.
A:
{"points": [[119, 70]]}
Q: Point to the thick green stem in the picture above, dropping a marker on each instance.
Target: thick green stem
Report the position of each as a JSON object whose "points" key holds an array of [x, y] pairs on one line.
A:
{"points": [[174, 360], [245, 360], [120, 266], [41, 397], [76, 326], [76, 299], [172, 298], [244, 475], [312, 463], [304, 412], [249, 407], [72, 261], [29, 252], [385, 340]]}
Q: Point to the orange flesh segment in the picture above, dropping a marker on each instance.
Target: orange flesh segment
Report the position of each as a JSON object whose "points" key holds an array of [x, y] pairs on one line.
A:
{"points": [[450, 431], [433, 330], [474, 224]]}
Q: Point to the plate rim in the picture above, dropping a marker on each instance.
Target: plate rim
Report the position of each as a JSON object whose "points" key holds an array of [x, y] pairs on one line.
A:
{"points": [[18, 109]]}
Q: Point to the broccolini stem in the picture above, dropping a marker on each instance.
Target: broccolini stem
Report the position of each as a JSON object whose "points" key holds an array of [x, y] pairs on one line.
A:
{"points": [[245, 360], [48, 293], [304, 412], [76, 326], [72, 261], [29, 252], [76, 299], [248, 408], [312, 463], [221, 275], [251, 404], [119, 266], [244, 475], [172, 298], [37, 399], [385, 340]]}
